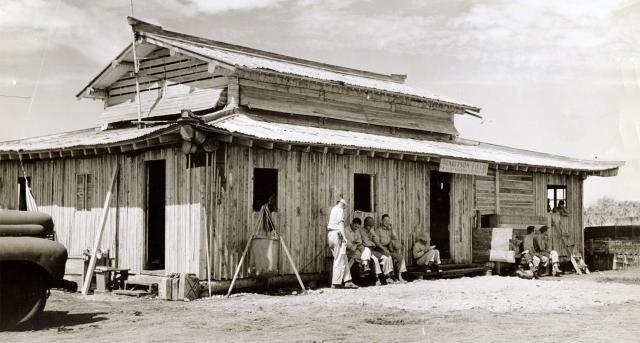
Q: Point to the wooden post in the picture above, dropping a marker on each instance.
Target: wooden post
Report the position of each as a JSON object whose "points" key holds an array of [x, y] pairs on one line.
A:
{"points": [[206, 222], [103, 221], [497, 190], [235, 275], [293, 265]]}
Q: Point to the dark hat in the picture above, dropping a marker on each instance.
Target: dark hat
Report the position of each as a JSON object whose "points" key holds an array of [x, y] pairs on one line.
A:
{"points": [[425, 237]]}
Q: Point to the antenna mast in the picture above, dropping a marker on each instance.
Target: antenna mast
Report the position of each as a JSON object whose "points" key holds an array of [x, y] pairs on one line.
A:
{"points": [[136, 70]]}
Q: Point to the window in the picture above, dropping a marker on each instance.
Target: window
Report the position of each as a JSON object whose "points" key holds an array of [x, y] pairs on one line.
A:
{"points": [[84, 192], [556, 194], [488, 221], [265, 188], [22, 202], [363, 192]]}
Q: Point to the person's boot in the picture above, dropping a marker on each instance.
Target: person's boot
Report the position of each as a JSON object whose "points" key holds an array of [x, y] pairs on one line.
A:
{"points": [[428, 268], [556, 270], [350, 284], [389, 280]]}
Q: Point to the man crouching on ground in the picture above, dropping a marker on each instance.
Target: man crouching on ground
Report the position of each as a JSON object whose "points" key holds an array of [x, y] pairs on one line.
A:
{"points": [[341, 277], [426, 254]]}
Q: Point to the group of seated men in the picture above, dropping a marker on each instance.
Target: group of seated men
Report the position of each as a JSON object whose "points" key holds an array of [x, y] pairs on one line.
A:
{"points": [[369, 248], [536, 249]]}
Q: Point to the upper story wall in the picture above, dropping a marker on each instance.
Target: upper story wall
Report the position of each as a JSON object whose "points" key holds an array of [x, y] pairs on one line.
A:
{"points": [[278, 93], [171, 81]]}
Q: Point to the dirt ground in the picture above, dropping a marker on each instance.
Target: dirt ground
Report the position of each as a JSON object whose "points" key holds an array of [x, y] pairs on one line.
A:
{"points": [[601, 307]]}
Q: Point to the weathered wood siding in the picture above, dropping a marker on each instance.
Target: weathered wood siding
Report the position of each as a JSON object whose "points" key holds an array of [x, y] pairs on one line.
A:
{"points": [[54, 189], [572, 223], [522, 201], [273, 93], [485, 190], [309, 184], [462, 216], [516, 193]]}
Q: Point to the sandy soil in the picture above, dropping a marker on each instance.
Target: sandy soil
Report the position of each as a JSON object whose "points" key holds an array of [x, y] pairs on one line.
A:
{"points": [[601, 307]]}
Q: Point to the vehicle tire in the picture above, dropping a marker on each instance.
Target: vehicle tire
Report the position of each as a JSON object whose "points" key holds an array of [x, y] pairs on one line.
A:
{"points": [[23, 293]]}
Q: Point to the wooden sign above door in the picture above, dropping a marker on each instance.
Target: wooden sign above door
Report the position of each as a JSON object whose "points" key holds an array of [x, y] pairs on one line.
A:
{"points": [[463, 167]]}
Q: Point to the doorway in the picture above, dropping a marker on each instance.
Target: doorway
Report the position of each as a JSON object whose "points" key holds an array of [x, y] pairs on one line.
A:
{"points": [[440, 212], [155, 215]]}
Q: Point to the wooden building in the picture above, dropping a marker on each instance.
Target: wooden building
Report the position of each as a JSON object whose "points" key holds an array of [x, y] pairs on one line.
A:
{"points": [[223, 127]]}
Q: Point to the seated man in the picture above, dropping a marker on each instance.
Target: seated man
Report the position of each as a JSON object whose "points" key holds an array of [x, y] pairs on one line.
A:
{"points": [[531, 251], [426, 254], [368, 235], [516, 246], [544, 244], [388, 244], [357, 252]]}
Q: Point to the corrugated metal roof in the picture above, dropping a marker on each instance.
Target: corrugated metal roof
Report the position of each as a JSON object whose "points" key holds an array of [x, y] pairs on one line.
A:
{"points": [[80, 138], [478, 151], [252, 61], [198, 100], [297, 134]]}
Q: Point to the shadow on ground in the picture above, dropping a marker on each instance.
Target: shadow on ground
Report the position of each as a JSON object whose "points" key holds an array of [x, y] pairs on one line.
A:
{"points": [[61, 320]]}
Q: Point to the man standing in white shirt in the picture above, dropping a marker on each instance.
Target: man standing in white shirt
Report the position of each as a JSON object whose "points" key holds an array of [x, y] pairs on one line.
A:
{"points": [[341, 277]]}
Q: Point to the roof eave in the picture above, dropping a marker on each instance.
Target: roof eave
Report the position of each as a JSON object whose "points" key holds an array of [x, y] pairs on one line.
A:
{"points": [[84, 93]]}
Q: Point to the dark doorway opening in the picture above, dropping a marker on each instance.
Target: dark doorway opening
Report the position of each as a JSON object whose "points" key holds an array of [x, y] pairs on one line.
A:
{"points": [[155, 214], [265, 188], [362, 193], [22, 201], [440, 212]]}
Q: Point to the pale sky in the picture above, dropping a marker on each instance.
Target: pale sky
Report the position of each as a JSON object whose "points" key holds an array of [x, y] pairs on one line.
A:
{"points": [[561, 77]]}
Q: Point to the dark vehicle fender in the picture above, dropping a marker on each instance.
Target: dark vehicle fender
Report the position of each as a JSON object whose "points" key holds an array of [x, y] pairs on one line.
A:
{"points": [[50, 255]]}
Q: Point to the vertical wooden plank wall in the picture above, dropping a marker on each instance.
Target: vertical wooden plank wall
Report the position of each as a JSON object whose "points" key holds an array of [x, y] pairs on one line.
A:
{"points": [[462, 215], [309, 185], [54, 189], [572, 223]]}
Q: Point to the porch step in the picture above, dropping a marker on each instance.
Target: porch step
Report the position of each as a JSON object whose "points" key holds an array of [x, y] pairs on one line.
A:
{"points": [[456, 273], [449, 271]]}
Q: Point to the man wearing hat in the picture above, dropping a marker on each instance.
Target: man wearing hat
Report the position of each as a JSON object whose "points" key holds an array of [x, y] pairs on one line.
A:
{"points": [[531, 250], [341, 277], [546, 252], [426, 254]]}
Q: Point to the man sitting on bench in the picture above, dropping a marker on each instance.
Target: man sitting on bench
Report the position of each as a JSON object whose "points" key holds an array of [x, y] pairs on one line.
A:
{"points": [[543, 242], [426, 254], [357, 252], [532, 251], [368, 234]]}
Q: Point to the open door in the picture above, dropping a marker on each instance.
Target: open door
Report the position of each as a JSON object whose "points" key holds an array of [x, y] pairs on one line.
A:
{"points": [[155, 218], [439, 212]]}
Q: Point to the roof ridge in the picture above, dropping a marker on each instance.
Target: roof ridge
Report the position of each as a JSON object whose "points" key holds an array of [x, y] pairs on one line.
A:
{"points": [[143, 27], [465, 141]]}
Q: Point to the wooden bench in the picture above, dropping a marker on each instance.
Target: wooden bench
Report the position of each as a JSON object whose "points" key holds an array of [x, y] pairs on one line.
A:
{"points": [[449, 271]]}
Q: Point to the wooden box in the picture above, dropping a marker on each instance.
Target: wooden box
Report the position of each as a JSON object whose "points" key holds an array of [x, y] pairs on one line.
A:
{"points": [[164, 288]]}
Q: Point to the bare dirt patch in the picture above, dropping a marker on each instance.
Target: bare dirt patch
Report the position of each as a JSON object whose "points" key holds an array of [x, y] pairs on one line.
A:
{"points": [[482, 309]]}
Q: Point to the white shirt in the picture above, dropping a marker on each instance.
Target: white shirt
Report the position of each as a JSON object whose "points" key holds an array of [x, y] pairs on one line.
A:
{"points": [[336, 219]]}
